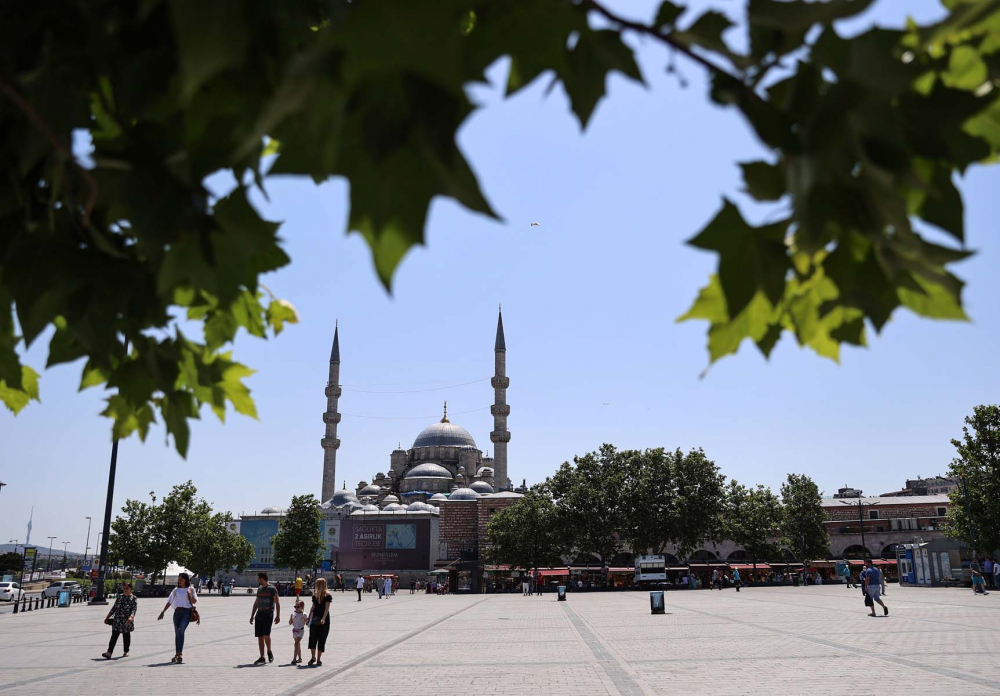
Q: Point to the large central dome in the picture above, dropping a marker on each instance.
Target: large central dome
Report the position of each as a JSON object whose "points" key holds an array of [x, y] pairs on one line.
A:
{"points": [[444, 434]]}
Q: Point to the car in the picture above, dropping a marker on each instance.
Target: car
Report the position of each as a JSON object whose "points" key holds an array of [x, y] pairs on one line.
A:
{"points": [[10, 592], [53, 590]]}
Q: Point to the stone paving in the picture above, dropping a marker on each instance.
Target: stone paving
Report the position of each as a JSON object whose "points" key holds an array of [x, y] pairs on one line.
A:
{"points": [[815, 640]]}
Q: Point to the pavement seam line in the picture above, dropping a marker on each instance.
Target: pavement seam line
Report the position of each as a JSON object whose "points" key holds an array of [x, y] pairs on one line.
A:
{"points": [[375, 652], [619, 676]]}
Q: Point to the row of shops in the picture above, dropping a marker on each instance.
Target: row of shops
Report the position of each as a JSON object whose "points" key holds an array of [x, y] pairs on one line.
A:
{"points": [[500, 578]]}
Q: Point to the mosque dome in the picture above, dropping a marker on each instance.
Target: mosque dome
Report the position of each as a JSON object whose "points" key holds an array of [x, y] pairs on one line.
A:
{"points": [[463, 494], [370, 489], [444, 434], [429, 470], [272, 510], [370, 508], [342, 498], [482, 487], [390, 499], [392, 507], [420, 507], [438, 496]]}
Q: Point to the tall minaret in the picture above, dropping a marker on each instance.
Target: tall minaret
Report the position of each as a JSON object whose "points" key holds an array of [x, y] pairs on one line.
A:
{"points": [[330, 442], [500, 410]]}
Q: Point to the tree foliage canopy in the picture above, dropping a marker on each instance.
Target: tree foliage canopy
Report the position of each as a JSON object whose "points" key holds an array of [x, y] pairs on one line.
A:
{"points": [[299, 541], [865, 134], [753, 520], [526, 534], [977, 470], [803, 527]]}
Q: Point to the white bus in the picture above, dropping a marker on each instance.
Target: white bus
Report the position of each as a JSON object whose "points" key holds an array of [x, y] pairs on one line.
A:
{"points": [[650, 569]]}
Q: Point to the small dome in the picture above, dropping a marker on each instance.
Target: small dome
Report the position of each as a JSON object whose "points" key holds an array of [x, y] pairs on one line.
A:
{"points": [[342, 498], [481, 487], [370, 508], [271, 510], [484, 471], [463, 494], [428, 470], [370, 489], [379, 476], [392, 507], [419, 507], [390, 499], [438, 496]]}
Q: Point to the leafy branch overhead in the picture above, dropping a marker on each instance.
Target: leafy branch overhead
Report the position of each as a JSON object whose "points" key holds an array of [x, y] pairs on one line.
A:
{"points": [[106, 257]]}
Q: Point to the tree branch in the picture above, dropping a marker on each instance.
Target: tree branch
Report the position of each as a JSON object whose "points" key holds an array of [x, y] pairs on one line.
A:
{"points": [[28, 110]]}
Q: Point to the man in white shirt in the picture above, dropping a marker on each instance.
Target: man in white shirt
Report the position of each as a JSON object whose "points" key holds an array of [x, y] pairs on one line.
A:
{"points": [[360, 586], [996, 574]]}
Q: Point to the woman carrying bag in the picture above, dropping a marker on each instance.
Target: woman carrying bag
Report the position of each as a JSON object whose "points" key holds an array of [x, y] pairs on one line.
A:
{"points": [[319, 622], [121, 618], [183, 600]]}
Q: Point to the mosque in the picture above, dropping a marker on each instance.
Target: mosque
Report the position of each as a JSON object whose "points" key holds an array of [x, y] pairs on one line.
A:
{"points": [[427, 512]]}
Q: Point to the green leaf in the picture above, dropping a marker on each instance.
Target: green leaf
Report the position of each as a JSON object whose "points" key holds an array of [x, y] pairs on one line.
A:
{"points": [[764, 181], [16, 399], [667, 15], [707, 31], [236, 392], [932, 300], [966, 69], [595, 54], [211, 37]]}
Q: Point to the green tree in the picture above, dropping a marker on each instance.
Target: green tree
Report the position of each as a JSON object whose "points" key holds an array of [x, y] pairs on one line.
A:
{"points": [[753, 520], [589, 498], [864, 136], [10, 562], [671, 498], [803, 525], [299, 541], [977, 470], [214, 547], [525, 534], [132, 532]]}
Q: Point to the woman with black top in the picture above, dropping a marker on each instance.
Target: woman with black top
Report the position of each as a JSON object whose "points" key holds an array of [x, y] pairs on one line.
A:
{"points": [[319, 622], [121, 618]]}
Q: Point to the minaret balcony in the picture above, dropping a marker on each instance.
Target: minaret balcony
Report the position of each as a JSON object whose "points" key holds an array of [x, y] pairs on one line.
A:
{"points": [[500, 382], [330, 443], [500, 410], [329, 418], [333, 391], [500, 436]]}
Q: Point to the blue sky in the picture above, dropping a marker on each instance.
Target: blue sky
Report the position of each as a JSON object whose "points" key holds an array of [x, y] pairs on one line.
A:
{"points": [[589, 298]]}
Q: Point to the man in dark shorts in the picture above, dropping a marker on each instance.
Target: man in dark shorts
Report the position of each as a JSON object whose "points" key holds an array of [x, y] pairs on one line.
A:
{"points": [[267, 609]]}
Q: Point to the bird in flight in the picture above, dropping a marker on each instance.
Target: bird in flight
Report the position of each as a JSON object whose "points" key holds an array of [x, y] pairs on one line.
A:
{"points": [[536, 224]]}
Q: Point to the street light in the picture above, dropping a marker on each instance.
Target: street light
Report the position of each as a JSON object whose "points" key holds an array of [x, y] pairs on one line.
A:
{"points": [[86, 551], [48, 564], [2, 484], [15, 543], [64, 561]]}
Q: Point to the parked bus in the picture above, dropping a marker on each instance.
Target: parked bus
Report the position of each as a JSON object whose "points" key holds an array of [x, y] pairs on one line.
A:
{"points": [[650, 569]]}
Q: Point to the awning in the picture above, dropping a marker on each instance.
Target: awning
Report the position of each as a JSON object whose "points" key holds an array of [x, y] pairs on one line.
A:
{"points": [[713, 564], [553, 572], [856, 562], [439, 571], [882, 561], [823, 564], [741, 566], [621, 571], [785, 565], [498, 567], [677, 568]]}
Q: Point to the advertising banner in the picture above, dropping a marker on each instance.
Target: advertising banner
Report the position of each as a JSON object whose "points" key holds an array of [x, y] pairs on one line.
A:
{"points": [[259, 533], [331, 540], [395, 545]]}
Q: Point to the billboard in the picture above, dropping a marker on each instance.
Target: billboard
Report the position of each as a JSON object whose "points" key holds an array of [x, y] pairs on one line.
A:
{"points": [[372, 545], [331, 539], [259, 533]]}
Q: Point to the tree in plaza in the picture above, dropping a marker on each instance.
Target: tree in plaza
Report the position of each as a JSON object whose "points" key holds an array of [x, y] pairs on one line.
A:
{"points": [[671, 497], [977, 471], [803, 521], [132, 536], [10, 562], [526, 534], [589, 497], [215, 547], [299, 541], [863, 135], [753, 519]]}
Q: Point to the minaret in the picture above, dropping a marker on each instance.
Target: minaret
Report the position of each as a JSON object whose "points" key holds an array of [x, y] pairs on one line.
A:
{"points": [[500, 410], [330, 443]]}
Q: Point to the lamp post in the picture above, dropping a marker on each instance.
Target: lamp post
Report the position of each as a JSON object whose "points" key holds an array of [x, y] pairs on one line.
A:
{"points": [[65, 562], [15, 543], [48, 563], [86, 551], [861, 518], [2, 484]]}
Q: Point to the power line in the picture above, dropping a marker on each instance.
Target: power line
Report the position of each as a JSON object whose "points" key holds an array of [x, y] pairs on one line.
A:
{"points": [[416, 391], [457, 413]]}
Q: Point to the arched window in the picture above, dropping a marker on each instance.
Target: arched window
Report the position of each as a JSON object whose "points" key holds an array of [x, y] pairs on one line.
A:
{"points": [[624, 560], [702, 555], [671, 559], [889, 551], [737, 555], [856, 551]]}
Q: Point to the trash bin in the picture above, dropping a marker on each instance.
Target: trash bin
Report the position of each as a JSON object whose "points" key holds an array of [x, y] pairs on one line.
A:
{"points": [[225, 590], [64, 598], [656, 605], [561, 590]]}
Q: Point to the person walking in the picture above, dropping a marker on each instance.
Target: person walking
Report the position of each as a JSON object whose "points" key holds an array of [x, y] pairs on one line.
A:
{"points": [[121, 618], [319, 622], [298, 586], [387, 588], [413, 586], [360, 585], [266, 612], [873, 582], [996, 574], [298, 621], [978, 585], [182, 599], [736, 579], [988, 572]]}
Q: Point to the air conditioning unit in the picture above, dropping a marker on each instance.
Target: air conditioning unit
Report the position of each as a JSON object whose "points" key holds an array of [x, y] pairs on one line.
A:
{"points": [[898, 524]]}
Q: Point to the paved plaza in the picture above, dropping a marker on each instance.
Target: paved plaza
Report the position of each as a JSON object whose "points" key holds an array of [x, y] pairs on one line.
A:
{"points": [[815, 640]]}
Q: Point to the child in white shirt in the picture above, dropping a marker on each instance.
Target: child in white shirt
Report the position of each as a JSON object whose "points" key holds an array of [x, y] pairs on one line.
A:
{"points": [[298, 623]]}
